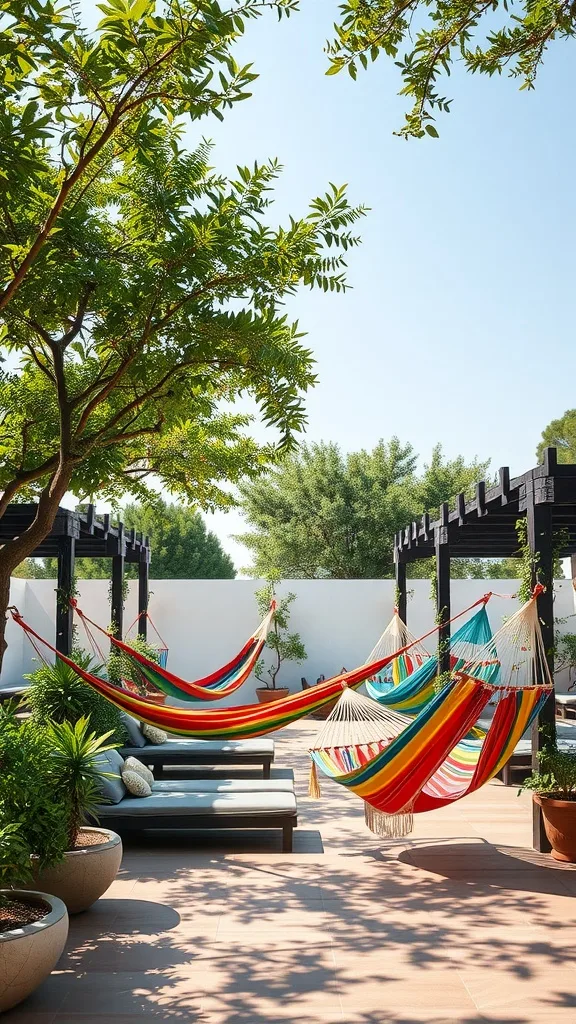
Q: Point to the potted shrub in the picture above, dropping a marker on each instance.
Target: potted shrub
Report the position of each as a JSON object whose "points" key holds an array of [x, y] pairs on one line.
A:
{"points": [[284, 646], [33, 925], [554, 786], [58, 694], [124, 671], [51, 784]]}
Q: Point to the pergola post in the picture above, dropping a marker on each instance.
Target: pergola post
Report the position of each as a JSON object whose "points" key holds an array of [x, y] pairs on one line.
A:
{"points": [[65, 586], [143, 573], [541, 542], [400, 572], [442, 551]]}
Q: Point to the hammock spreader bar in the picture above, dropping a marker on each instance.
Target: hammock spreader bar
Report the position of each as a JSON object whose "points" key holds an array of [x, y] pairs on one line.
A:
{"points": [[221, 683]]}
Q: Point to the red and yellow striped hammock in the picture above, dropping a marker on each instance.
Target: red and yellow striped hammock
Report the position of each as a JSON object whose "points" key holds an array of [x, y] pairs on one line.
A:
{"points": [[401, 766]]}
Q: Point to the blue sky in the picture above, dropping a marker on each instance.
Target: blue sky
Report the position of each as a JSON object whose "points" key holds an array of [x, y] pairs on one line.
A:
{"points": [[460, 325]]}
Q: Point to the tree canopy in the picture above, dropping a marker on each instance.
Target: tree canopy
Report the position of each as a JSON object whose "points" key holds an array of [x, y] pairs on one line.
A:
{"points": [[182, 548], [323, 514], [425, 38], [560, 434], [140, 291]]}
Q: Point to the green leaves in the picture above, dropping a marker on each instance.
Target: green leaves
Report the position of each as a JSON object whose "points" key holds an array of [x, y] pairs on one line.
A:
{"points": [[434, 34]]}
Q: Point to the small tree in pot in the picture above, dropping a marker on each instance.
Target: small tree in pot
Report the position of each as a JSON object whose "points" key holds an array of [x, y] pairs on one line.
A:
{"points": [[50, 785], [284, 646], [554, 786]]}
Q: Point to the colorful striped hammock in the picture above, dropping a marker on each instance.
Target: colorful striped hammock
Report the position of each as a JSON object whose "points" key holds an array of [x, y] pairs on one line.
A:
{"points": [[401, 766], [413, 691], [219, 684], [247, 721]]}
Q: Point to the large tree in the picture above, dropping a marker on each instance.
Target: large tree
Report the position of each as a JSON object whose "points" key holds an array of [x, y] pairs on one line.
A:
{"points": [[323, 514], [140, 291], [560, 434], [425, 38], [182, 548]]}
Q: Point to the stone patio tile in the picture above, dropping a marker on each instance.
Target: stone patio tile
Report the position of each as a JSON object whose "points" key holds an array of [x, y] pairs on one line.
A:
{"points": [[540, 989]]}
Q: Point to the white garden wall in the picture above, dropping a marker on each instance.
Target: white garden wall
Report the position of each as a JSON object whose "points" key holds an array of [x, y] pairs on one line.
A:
{"points": [[205, 622]]}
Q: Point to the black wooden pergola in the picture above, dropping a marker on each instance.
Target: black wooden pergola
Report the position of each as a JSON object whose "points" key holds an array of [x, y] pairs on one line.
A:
{"points": [[485, 527], [84, 535]]}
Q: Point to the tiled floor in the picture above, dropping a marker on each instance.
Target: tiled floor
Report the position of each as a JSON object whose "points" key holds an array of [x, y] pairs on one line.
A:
{"points": [[463, 923]]}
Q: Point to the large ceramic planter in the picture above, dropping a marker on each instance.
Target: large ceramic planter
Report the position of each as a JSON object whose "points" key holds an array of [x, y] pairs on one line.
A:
{"points": [[265, 696], [84, 874], [560, 825], [29, 954]]}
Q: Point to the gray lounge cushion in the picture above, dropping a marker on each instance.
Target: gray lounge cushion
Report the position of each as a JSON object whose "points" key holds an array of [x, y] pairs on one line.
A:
{"points": [[112, 788], [135, 737], [176, 745], [223, 786], [181, 804]]}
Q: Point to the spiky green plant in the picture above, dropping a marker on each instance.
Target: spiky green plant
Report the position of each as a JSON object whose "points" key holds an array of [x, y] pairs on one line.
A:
{"points": [[76, 770]]}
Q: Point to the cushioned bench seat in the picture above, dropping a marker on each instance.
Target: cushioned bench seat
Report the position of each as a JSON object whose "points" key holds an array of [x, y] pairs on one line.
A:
{"points": [[180, 808], [181, 751], [223, 786]]}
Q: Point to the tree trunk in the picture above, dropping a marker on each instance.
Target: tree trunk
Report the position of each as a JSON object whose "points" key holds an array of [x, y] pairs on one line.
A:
{"points": [[15, 551]]}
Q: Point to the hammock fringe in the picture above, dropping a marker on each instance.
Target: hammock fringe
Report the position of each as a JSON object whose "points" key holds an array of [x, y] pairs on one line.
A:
{"points": [[314, 783], [389, 826]]}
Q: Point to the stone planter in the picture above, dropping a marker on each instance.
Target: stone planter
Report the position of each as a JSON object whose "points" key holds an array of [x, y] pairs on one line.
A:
{"points": [[265, 696], [29, 954], [560, 825], [84, 874]]}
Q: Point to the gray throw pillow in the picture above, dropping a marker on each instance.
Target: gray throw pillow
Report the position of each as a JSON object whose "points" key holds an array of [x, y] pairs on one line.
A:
{"points": [[112, 789], [135, 737]]}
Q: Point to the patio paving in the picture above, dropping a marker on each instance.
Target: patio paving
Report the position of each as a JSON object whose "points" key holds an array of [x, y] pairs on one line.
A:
{"points": [[462, 922]]}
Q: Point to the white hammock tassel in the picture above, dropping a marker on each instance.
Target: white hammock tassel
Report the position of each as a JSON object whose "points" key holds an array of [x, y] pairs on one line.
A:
{"points": [[389, 826]]}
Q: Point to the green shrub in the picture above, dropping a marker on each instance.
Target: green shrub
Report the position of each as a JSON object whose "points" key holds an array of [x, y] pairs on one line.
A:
{"points": [[48, 788], [556, 776], [27, 797], [122, 666], [58, 694]]}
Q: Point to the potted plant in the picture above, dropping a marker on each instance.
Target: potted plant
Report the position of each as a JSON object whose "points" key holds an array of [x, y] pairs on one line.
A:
{"points": [[58, 694], [284, 646], [125, 671], [33, 925], [51, 784], [554, 786]]}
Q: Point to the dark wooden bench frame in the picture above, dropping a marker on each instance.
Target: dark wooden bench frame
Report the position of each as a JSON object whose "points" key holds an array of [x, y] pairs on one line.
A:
{"points": [[158, 759], [206, 822]]}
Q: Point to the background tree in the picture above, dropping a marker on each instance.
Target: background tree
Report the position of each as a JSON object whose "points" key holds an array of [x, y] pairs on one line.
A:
{"points": [[182, 548], [140, 291], [322, 514], [426, 37], [560, 434]]}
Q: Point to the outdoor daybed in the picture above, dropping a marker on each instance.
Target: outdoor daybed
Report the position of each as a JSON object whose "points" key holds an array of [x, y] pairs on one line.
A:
{"points": [[202, 804], [190, 753]]}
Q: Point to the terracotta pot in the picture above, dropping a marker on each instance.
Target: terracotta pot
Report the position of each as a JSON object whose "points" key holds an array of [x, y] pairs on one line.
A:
{"points": [[84, 874], [265, 696], [560, 825], [29, 954]]}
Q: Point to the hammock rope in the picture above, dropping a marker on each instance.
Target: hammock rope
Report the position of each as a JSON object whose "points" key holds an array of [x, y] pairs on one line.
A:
{"points": [[246, 721], [401, 765], [163, 649], [221, 683]]}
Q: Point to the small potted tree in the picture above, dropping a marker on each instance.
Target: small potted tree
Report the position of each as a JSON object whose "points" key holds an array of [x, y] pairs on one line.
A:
{"points": [[554, 786], [51, 780], [284, 646], [33, 925]]}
